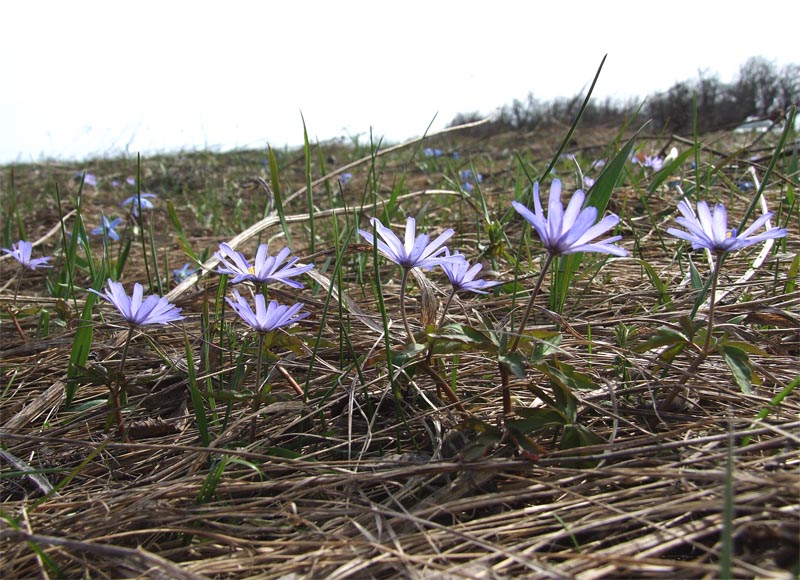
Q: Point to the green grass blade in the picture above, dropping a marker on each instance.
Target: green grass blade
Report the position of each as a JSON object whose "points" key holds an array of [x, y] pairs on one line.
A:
{"points": [[82, 343], [309, 189], [197, 398], [276, 190], [778, 154]]}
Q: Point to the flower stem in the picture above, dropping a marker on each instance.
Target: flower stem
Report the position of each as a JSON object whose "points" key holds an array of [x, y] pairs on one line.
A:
{"points": [[446, 308], [506, 389], [403, 283], [705, 351], [16, 289], [711, 304], [257, 394], [529, 309], [13, 310], [118, 385]]}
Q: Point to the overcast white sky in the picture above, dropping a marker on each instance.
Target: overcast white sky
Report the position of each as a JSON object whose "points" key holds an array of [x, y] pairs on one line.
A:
{"points": [[89, 78]]}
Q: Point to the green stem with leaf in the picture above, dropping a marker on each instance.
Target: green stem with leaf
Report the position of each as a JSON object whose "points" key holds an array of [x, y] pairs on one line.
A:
{"points": [[706, 349]]}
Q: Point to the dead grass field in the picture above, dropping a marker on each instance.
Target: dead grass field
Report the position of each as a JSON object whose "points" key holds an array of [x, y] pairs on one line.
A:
{"points": [[354, 483]]}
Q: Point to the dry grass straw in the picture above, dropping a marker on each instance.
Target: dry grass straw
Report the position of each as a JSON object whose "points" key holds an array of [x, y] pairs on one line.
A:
{"points": [[369, 496]]}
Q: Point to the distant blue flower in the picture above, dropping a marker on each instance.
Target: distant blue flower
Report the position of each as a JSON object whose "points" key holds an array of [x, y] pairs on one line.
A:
{"points": [[345, 177], [21, 252], [467, 186], [467, 174], [588, 181], [109, 228], [153, 310], [115, 183], [183, 273], [745, 185], [710, 231], [417, 252], [90, 179], [136, 203], [428, 152], [265, 269], [456, 155], [130, 181], [267, 317], [462, 276], [566, 232], [598, 164]]}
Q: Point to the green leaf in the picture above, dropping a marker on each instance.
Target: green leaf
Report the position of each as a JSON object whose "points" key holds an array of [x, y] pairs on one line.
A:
{"points": [[744, 347], [664, 336], [545, 398], [82, 343], [567, 375], [546, 343], [579, 436], [534, 419], [607, 181], [198, 404], [696, 279], [791, 279], [514, 362], [740, 365], [465, 334], [773, 404], [409, 353]]}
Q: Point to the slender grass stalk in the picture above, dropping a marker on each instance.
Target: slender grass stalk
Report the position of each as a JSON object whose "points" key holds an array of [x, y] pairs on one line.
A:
{"points": [[309, 189], [728, 512]]}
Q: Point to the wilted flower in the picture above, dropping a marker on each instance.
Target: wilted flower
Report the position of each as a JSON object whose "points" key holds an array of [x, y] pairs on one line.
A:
{"points": [[462, 276], [108, 227], [655, 162], [153, 310], [267, 317], [266, 268], [417, 252], [21, 252], [566, 232], [710, 231], [139, 201], [184, 272]]}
